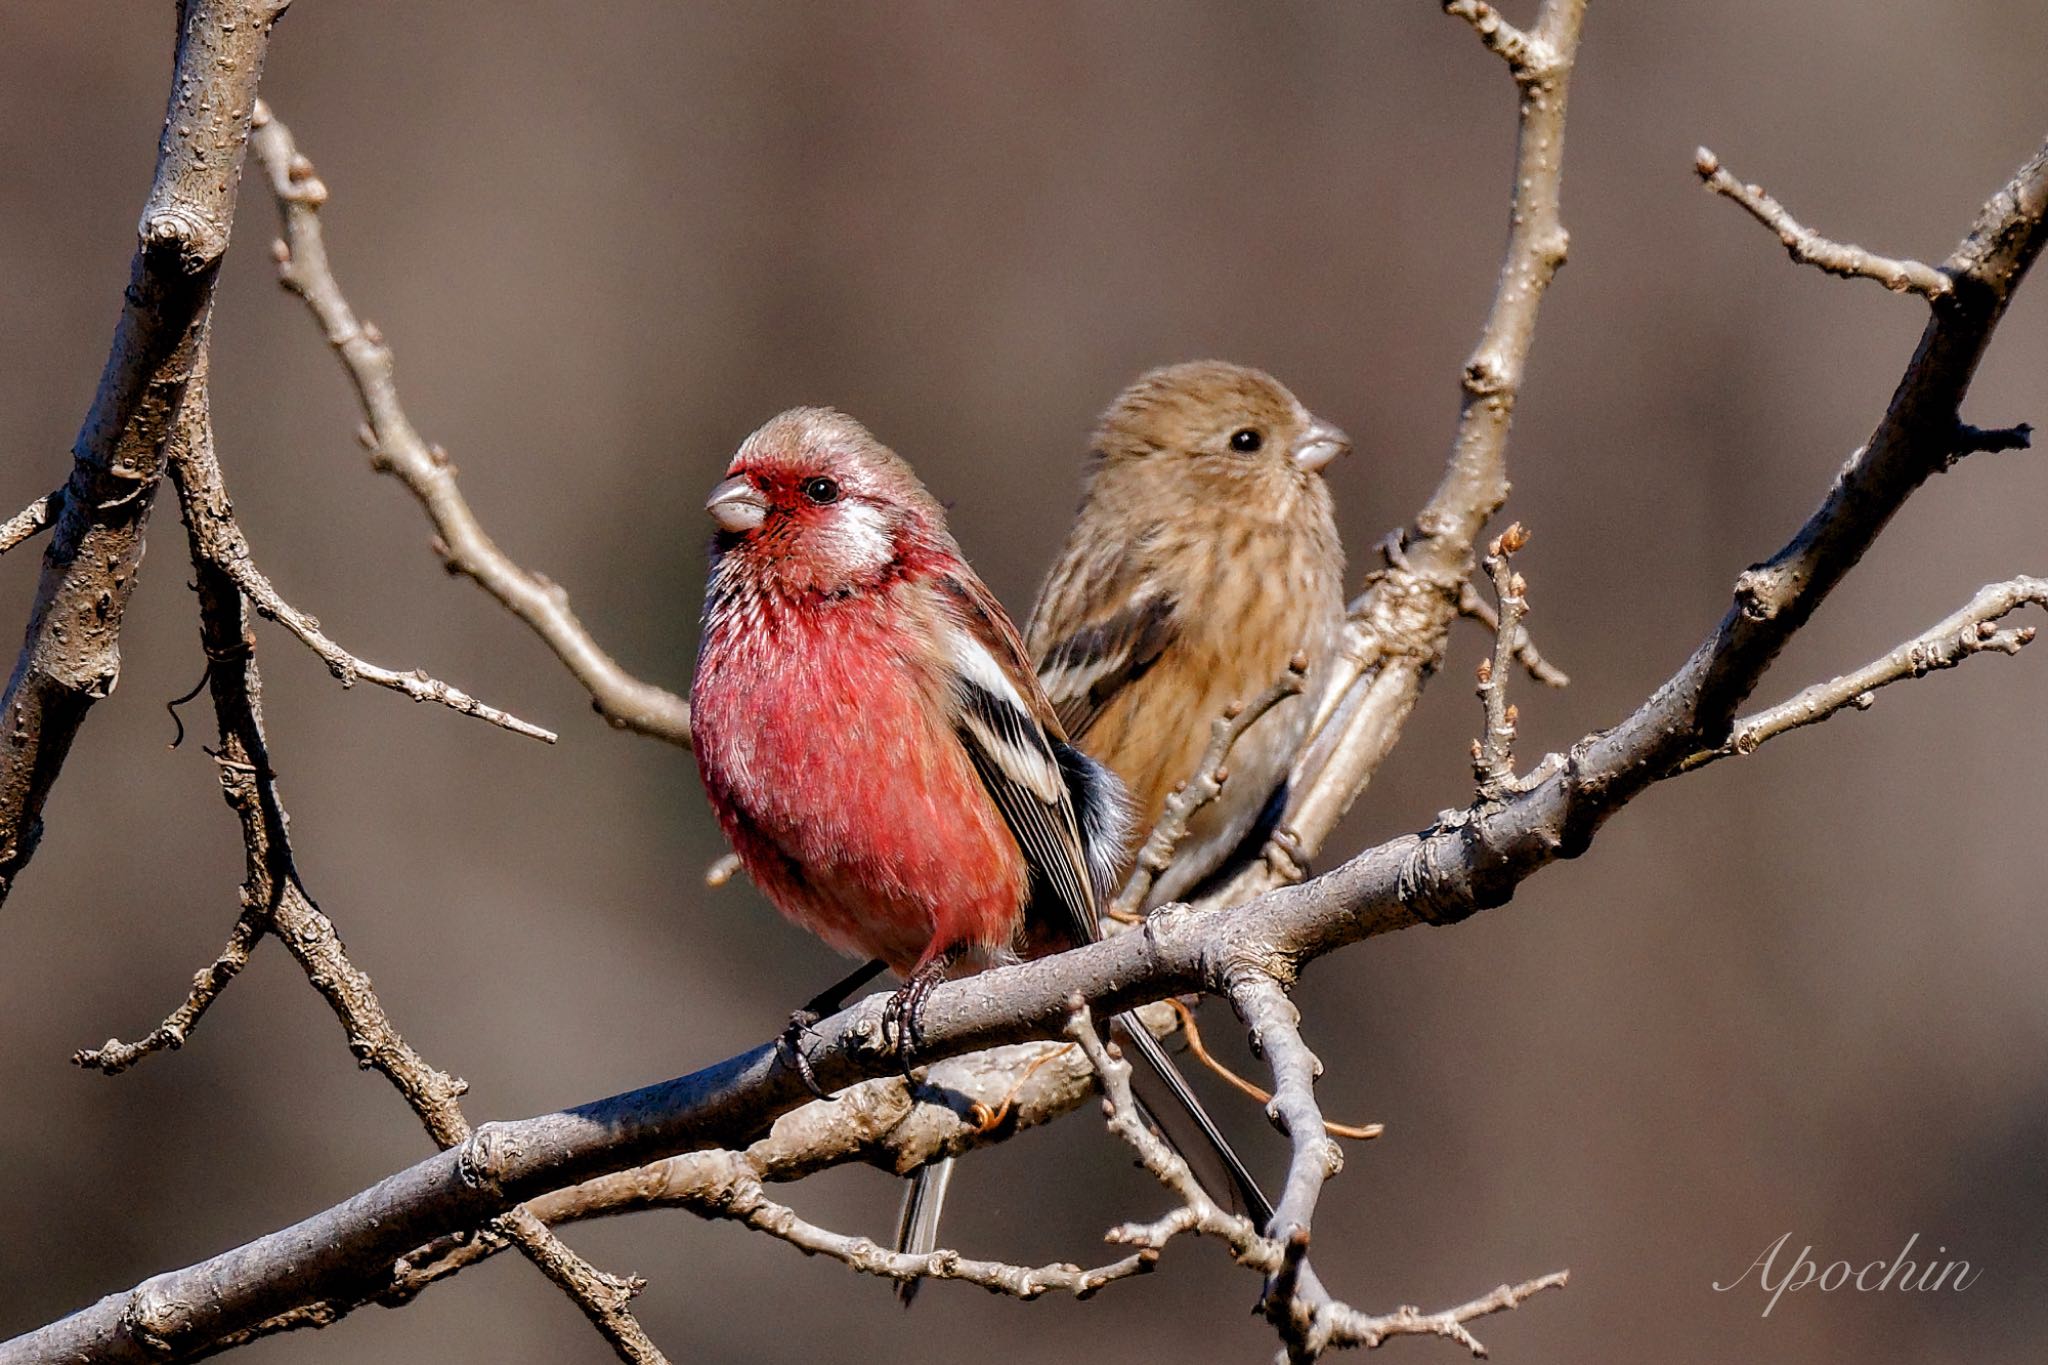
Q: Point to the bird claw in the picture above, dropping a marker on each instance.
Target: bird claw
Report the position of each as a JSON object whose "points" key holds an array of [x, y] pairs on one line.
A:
{"points": [[789, 1048], [903, 1016]]}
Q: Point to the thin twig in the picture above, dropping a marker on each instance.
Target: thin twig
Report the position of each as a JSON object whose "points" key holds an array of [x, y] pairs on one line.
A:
{"points": [[1493, 755], [1191, 1032], [30, 520], [114, 1056], [1473, 607], [743, 1200], [1960, 636], [1808, 247], [1204, 785], [398, 449], [1326, 1324], [346, 667]]}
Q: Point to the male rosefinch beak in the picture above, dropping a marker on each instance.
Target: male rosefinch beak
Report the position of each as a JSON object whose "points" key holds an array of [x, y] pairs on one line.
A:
{"points": [[872, 738]]}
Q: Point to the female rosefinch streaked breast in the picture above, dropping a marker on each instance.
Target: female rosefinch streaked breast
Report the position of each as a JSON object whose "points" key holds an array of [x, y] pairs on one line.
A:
{"points": [[872, 738], [1204, 557]]}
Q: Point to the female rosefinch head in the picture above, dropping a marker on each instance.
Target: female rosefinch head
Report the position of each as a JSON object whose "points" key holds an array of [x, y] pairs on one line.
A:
{"points": [[1229, 432], [812, 503]]}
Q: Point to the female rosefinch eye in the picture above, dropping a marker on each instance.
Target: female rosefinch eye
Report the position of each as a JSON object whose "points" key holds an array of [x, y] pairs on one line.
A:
{"points": [[1204, 557], [874, 743]]}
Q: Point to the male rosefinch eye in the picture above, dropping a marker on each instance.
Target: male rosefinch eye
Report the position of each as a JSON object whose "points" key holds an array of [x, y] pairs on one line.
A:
{"points": [[874, 743]]}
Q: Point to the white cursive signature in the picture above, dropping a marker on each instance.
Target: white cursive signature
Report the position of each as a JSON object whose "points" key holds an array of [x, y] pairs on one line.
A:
{"points": [[1874, 1278]]}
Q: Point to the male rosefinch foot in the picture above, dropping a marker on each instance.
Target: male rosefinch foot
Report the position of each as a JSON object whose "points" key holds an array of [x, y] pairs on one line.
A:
{"points": [[803, 1021]]}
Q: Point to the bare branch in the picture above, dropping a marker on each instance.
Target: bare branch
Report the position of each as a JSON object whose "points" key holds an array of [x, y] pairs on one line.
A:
{"points": [[1493, 755], [71, 655], [1473, 607], [1275, 1027], [1808, 247], [114, 1056], [398, 449], [1958, 637], [1397, 635], [30, 520], [275, 898], [1309, 1326], [1986, 440], [229, 550], [742, 1199], [1204, 785], [1191, 1034]]}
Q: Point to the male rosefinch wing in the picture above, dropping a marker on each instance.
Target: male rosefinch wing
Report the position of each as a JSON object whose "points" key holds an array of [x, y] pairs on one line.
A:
{"points": [[1066, 813]]}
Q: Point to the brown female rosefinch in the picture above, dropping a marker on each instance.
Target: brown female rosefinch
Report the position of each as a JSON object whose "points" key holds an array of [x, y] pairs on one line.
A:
{"points": [[873, 740], [1205, 557]]}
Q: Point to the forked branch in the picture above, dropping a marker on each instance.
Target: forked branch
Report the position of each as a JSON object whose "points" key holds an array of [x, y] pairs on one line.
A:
{"points": [[1967, 633]]}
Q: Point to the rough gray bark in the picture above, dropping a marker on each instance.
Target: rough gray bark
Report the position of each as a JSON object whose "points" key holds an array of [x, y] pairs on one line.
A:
{"points": [[72, 654]]}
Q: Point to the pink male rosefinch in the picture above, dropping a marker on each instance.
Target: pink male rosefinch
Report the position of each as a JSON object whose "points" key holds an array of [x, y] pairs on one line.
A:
{"points": [[874, 743], [1204, 557]]}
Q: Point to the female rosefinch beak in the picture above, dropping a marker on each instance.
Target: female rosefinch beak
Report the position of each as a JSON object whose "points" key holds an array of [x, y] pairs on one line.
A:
{"points": [[874, 743], [1204, 557]]}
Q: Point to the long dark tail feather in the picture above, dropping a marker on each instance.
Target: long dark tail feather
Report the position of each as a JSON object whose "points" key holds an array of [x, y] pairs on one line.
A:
{"points": [[917, 1227], [1180, 1118], [1168, 1104]]}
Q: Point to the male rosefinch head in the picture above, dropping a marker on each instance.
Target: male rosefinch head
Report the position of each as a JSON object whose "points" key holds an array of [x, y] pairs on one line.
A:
{"points": [[1204, 557]]}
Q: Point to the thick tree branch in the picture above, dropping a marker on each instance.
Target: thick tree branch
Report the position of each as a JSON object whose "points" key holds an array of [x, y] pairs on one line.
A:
{"points": [[72, 657], [1437, 876], [1808, 247], [397, 448]]}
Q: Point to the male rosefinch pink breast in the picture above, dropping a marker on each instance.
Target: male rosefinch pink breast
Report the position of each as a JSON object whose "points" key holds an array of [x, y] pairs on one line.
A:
{"points": [[1204, 557], [873, 741]]}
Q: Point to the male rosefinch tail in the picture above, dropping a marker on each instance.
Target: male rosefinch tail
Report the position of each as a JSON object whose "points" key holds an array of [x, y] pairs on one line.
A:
{"points": [[1167, 1103]]}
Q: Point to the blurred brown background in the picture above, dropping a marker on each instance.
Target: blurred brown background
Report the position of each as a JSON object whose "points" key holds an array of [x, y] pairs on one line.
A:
{"points": [[1800, 993]]}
